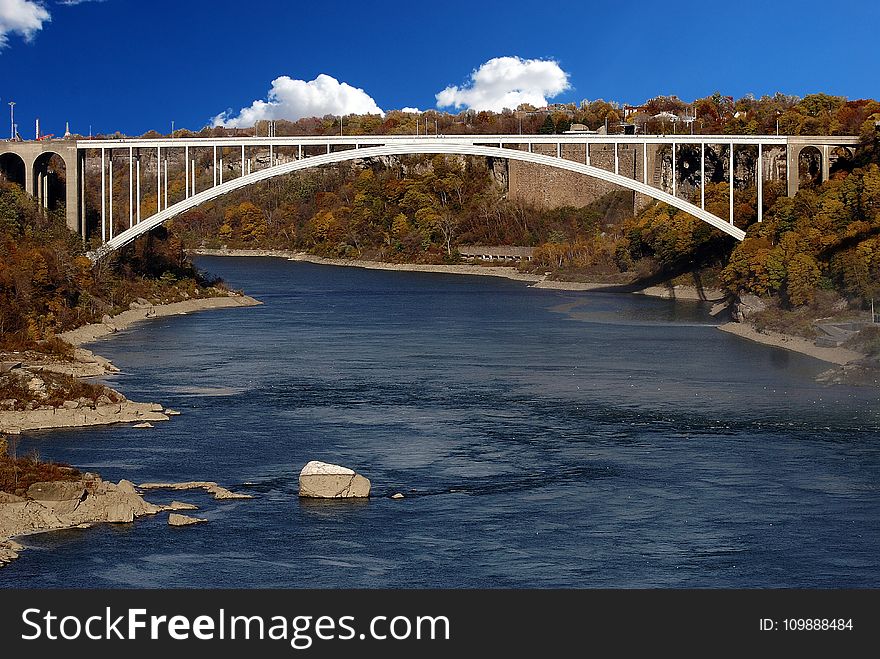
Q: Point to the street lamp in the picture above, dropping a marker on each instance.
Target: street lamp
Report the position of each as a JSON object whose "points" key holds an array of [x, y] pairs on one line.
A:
{"points": [[12, 120]]}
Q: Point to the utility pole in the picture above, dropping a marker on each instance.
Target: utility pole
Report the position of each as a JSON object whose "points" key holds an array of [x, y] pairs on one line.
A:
{"points": [[12, 120]]}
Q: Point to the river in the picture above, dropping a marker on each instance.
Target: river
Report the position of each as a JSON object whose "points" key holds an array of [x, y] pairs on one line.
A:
{"points": [[541, 439]]}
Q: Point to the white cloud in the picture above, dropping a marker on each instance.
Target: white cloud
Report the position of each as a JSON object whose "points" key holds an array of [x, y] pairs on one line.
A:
{"points": [[410, 110], [295, 99], [22, 17], [506, 82]]}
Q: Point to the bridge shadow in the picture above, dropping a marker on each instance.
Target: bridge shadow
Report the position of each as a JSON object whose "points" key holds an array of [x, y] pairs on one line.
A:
{"points": [[664, 280]]}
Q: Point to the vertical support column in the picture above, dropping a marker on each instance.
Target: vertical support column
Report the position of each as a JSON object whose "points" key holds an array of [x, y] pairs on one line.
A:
{"points": [[826, 163], [158, 179], [300, 154], [215, 164], [731, 182], [186, 171], [138, 189], [166, 183], [82, 196], [130, 187], [328, 147], [71, 190], [616, 158], [242, 160], [221, 171], [45, 192], [272, 155], [192, 185], [645, 163], [530, 147], [674, 172], [103, 199], [559, 149], [792, 156], [587, 153], [760, 182], [703, 175], [111, 194]]}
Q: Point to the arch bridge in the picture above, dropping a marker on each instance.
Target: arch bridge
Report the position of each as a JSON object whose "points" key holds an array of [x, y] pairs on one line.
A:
{"points": [[220, 165]]}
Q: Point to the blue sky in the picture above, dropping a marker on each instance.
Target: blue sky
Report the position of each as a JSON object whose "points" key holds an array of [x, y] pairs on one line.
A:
{"points": [[135, 65]]}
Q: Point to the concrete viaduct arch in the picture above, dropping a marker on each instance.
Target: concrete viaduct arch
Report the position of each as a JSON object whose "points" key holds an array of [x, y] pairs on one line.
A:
{"points": [[35, 155], [827, 149]]}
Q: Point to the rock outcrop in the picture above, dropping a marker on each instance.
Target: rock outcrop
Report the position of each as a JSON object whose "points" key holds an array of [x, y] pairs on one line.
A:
{"points": [[9, 550], [210, 487], [746, 306], [68, 504], [175, 519], [180, 505], [14, 422], [320, 480], [58, 505]]}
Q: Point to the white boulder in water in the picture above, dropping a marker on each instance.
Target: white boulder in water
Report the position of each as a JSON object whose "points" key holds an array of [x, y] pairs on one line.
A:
{"points": [[320, 480]]}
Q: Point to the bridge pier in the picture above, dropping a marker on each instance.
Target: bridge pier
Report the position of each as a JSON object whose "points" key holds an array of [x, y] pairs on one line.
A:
{"points": [[824, 145], [67, 150]]}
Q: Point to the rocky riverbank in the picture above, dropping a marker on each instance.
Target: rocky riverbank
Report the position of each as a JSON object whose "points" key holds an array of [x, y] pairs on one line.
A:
{"points": [[34, 375], [142, 311], [56, 505]]}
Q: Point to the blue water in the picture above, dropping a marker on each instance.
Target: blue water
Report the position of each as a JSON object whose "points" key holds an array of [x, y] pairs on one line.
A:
{"points": [[542, 439]]}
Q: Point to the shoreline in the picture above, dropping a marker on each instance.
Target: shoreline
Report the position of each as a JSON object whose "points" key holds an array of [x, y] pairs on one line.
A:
{"points": [[79, 504], [85, 503], [143, 312], [74, 414], [687, 293], [836, 356]]}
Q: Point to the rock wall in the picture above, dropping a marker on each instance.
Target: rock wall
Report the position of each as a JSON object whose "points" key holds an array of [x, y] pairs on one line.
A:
{"points": [[550, 187]]}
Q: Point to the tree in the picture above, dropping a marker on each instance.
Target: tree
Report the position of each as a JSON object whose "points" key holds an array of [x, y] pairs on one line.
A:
{"points": [[548, 127]]}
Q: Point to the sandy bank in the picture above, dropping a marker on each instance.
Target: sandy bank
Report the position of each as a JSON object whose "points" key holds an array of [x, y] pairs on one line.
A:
{"points": [[680, 292], [126, 319], [460, 269], [837, 356]]}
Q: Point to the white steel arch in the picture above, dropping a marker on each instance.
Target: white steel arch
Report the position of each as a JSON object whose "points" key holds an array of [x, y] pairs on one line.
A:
{"points": [[403, 147]]}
